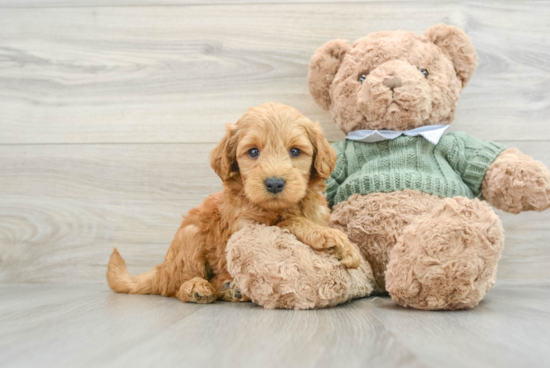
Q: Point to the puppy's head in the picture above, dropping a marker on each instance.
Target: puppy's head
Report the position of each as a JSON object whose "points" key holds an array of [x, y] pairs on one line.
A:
{"points": [[276, 153]]}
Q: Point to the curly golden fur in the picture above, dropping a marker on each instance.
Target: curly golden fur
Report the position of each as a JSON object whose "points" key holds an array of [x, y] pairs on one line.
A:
{"points": [[195, 267]]}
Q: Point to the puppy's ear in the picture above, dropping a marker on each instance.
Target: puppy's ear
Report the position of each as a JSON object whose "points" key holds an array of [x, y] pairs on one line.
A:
{"points": [[324, 158], [223, 156], [322, 70], [457, 46]]}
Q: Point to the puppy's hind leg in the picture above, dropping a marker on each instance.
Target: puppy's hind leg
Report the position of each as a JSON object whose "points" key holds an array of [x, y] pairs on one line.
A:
{"points": [[185, 257], [197, 290]]}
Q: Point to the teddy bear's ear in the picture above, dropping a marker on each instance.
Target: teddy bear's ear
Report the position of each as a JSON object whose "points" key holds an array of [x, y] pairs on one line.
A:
{"points": [[322, 69], [457, 46]]}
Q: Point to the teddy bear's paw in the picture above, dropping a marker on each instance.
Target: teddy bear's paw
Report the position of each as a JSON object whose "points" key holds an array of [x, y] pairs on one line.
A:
{"points": [[337, 243], [515, 183], [231, 293]]}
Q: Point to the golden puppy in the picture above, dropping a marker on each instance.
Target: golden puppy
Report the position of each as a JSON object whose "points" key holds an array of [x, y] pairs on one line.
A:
{"points": [[272, 162]]}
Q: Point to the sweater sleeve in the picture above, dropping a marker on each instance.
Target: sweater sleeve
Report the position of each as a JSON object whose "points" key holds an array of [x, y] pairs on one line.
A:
{"points": [[339, 174], [471, 158]]}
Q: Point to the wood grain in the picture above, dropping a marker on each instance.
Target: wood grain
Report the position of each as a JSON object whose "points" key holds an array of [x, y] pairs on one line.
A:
{"points": [[64, 207], [178, 73], [108, 109], [130, 3], [89, 326], [108, 113]]}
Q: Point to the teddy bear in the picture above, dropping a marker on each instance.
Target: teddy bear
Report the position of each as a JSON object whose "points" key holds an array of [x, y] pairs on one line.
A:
{"points": [[416, 201]]}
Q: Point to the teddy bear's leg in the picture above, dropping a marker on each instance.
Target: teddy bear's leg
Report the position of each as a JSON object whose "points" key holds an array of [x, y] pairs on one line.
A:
{"points": [[376, 221], [446, 259]]}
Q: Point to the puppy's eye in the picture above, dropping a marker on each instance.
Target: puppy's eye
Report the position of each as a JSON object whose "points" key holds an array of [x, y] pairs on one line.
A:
{"points": [[295, 152], [253, 153], [363, 77], [424, 71]]}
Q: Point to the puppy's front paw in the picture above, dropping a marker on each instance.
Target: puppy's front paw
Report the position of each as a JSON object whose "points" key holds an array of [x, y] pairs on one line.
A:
{"points": [[337, 243], [231, 293], [351, 257]]}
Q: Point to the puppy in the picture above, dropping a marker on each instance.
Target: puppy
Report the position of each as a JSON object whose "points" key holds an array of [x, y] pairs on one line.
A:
{"points": [[272, 162]]}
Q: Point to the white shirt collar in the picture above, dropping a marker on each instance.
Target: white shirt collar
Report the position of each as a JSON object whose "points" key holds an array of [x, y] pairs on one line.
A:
{"points": [[432, 133]]}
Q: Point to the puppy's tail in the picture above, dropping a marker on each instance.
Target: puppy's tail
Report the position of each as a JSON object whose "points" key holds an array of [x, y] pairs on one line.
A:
{"points": [[121, 282]]}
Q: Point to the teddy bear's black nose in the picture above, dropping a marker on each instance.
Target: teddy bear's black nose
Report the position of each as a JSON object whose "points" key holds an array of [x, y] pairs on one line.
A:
{"points": [[392, 82], [274, 185]]}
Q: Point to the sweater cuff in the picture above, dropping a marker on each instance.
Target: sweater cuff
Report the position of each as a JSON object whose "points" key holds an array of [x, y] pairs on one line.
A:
{"points": [[478, 165]]}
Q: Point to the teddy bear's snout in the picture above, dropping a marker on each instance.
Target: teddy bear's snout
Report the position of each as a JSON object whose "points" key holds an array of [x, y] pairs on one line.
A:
{"points": [[392, 82], [395, 91]]}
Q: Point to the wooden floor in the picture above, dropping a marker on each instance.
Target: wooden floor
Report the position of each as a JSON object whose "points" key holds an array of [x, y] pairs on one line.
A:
{"points": [[108, 109], [72, 326], [107, 113]]}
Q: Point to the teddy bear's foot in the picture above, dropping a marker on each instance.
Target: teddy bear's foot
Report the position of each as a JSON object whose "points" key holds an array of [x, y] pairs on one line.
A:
{"points": [[277, 271], [446, 259]]}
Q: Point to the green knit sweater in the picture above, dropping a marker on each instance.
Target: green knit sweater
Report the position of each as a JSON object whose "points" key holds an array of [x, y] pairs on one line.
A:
{"points": [[454, 167]]}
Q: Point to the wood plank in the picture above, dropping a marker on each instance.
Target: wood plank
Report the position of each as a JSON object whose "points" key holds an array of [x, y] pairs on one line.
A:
{"points": [[127, 3], [485, 334], [64, 207], [530, 296], [89, 326], [65, 320], [177, 74], [63, 203]]}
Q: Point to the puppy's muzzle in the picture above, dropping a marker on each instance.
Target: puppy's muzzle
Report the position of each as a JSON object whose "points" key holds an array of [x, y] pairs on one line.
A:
{"points": [[274, 185]]}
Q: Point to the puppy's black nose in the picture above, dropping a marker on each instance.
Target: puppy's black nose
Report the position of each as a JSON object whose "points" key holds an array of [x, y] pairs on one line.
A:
{"points": [[274, 185]]}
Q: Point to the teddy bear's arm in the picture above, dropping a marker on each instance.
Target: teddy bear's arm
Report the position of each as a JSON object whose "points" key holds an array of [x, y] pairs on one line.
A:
{"points": [[516, 182], [470, 157]]}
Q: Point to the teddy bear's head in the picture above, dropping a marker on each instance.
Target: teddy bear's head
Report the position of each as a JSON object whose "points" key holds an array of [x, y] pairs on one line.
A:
{"points": [[393, 80]]}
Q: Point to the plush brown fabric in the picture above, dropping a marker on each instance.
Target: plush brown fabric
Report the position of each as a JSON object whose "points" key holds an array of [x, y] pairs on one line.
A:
{"points": [[445, 52], [427, 252], [515, 183], [447, 258], [277, 271], [439, 253], [375, 222], [322, 69], [457, 46]]}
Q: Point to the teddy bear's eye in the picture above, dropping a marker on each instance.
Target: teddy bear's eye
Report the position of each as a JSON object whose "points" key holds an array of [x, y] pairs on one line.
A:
{"points": [[424, 71], [362, 78]]}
